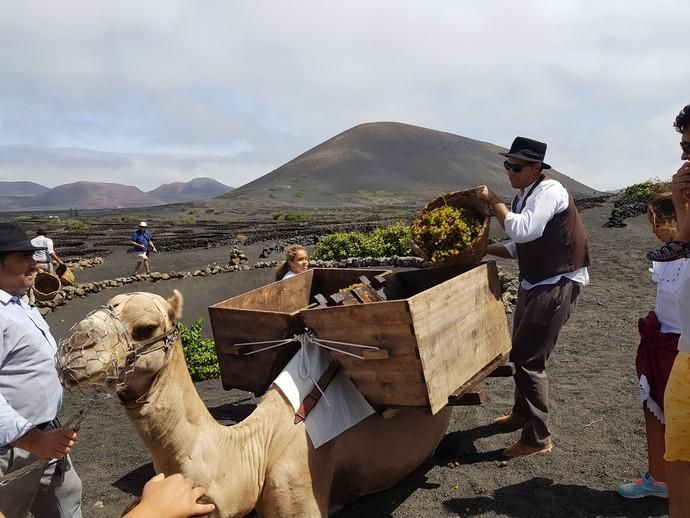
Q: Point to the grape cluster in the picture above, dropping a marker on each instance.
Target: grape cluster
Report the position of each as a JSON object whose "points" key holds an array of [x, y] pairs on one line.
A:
{"points": [[346, 291], [446, 231]]}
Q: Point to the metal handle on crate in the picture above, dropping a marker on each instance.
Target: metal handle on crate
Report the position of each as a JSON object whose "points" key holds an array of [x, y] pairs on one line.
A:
{"points": [[248, 348], [368, 352]]}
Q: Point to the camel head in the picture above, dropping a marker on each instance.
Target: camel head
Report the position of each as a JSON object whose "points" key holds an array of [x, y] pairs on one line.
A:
{"points": [[120, 347]]}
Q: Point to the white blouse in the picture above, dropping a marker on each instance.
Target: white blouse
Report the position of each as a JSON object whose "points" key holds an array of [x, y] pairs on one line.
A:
{"points": [[668, 276]]}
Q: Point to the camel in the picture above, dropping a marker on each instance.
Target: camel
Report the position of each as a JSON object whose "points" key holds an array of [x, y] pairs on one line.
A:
{"points": [[266, 462]]}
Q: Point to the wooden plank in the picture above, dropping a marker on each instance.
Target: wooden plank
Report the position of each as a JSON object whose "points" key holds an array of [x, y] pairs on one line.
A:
{"points": [[506, 370], [398, 394], [468, 399], [288, 296], [460, 326], [480, 376]]}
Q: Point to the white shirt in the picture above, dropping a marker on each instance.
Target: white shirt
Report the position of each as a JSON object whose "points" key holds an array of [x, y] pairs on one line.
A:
{"points": [[668, 276], [548, 199], [43, 256], [30, 391], [289, 274]]}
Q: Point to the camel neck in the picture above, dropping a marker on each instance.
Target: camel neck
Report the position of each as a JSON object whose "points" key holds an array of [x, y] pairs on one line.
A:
{"points": [[182, 436]]}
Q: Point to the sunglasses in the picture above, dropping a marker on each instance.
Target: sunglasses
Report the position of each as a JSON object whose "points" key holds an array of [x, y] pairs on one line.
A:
{"points": [[516, 168], [685, 146]]}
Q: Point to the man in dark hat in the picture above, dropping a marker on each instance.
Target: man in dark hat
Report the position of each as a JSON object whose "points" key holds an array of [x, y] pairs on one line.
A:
{"points": [[549, 241], [30, 396]]}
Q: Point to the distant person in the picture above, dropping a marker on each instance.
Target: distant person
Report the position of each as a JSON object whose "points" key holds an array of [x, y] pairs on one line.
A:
{"points": [[659, 333], [170, 497], [550, 243], [46, 255], [677, 396], [142, 242], [30, 396], [296, 261]]}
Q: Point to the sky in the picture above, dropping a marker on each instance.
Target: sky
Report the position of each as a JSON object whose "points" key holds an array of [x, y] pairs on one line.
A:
{"points": [[145, 93]]}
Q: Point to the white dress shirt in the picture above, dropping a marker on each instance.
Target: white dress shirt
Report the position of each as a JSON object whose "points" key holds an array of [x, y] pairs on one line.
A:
{"points": [[30, 390], [546, 200]]}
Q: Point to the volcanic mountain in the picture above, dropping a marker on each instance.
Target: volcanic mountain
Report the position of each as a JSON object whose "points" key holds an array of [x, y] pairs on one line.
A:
{"points": [[385, 163], [91, 195], [196, 189]]}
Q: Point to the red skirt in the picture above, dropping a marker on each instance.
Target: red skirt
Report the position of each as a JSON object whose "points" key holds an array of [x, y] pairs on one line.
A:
{"points": [[655, 356]]}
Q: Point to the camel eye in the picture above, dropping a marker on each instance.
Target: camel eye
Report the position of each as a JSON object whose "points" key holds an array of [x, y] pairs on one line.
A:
{"points": [[143, 332]]}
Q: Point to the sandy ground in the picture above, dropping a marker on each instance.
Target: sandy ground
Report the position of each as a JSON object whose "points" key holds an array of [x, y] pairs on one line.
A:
{"points": [[596, 416]]}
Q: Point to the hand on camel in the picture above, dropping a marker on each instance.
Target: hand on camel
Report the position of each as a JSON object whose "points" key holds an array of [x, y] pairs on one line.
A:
{"points": [[49, 444], [171, 497]]}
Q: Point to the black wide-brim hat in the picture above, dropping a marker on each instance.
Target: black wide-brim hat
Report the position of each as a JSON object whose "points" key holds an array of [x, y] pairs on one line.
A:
{"points": [[529, 150], [13, 238]]}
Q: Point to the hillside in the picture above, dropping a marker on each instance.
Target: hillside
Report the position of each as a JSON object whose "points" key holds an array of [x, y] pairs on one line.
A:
{"points": [[385, 163], [22, 189], [91, 195], [193, 190]]}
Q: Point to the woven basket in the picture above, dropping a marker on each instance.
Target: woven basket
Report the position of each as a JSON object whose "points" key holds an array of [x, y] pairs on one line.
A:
{"points": [[66, 275], [46, 286], [471, 200]]}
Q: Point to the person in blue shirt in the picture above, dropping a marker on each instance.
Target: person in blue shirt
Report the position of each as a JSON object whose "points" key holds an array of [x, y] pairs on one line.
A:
{"points": [[30, 396], [142, 243]]}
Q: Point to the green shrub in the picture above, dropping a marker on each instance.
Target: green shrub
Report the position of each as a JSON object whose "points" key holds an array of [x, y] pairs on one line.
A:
{"points": [[128, 218], [185, 221], [392, 240], [23, 219], [199, 352], [641, 192], [291, 216], [69, 224], [395, 239]]}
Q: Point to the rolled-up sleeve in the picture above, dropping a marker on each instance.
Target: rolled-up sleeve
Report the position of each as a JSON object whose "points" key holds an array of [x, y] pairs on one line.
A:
{"points": [[529, 224]]}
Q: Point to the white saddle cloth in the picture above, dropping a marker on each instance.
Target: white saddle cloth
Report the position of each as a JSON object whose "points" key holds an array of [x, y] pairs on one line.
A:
{"points": [[341, 405]]}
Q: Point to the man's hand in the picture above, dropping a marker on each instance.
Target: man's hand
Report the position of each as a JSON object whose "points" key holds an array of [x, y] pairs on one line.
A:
{"points": [[171, 497], [488, 195], [498, 208], [49, 444], [680, 183]]}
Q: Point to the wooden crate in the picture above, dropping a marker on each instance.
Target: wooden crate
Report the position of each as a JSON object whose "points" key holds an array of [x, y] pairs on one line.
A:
{"points": [[443, 326], [269, 313]]}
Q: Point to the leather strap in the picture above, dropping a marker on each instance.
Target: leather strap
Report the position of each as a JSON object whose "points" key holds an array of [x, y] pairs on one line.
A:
{"points": [[313, 397]]}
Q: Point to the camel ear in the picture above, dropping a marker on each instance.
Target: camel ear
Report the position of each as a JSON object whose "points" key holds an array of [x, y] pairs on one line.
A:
{"points": [[176, 303]]}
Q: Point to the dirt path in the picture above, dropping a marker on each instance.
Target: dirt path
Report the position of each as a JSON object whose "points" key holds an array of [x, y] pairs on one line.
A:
{"points": [[596, 416]]}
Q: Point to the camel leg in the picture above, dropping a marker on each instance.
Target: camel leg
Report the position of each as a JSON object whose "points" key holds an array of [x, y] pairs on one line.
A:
{"points": [[298, 486]]}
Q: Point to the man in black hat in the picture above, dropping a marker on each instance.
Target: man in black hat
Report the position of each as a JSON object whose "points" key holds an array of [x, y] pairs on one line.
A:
{"points": [[549, 241], [30, 396]]}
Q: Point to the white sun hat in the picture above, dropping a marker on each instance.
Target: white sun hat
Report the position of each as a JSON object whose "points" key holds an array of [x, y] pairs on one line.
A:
{"points": [[143, 224]]}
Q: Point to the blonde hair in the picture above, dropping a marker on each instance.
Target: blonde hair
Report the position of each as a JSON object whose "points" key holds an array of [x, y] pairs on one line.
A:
{"points": [[290, 255], [660, 212]]}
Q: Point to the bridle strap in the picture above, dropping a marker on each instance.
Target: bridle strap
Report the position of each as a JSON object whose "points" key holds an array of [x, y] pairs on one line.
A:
{"points": [[143, 347]]}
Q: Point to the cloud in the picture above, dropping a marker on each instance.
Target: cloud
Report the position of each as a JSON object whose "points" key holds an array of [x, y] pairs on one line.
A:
{"points": [[240, 88]]}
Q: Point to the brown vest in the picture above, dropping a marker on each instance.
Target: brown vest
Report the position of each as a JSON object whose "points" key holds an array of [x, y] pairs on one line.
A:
{"points": [[562, 247]]}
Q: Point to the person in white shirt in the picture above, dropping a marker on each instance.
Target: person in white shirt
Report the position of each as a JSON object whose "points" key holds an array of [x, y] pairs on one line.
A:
{"points": [[30, 396], [296, 261], [550, 243], [46, 255]]}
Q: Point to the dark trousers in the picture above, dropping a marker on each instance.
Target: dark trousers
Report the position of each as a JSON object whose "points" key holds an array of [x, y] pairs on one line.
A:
{"points": [[539, 316]]}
